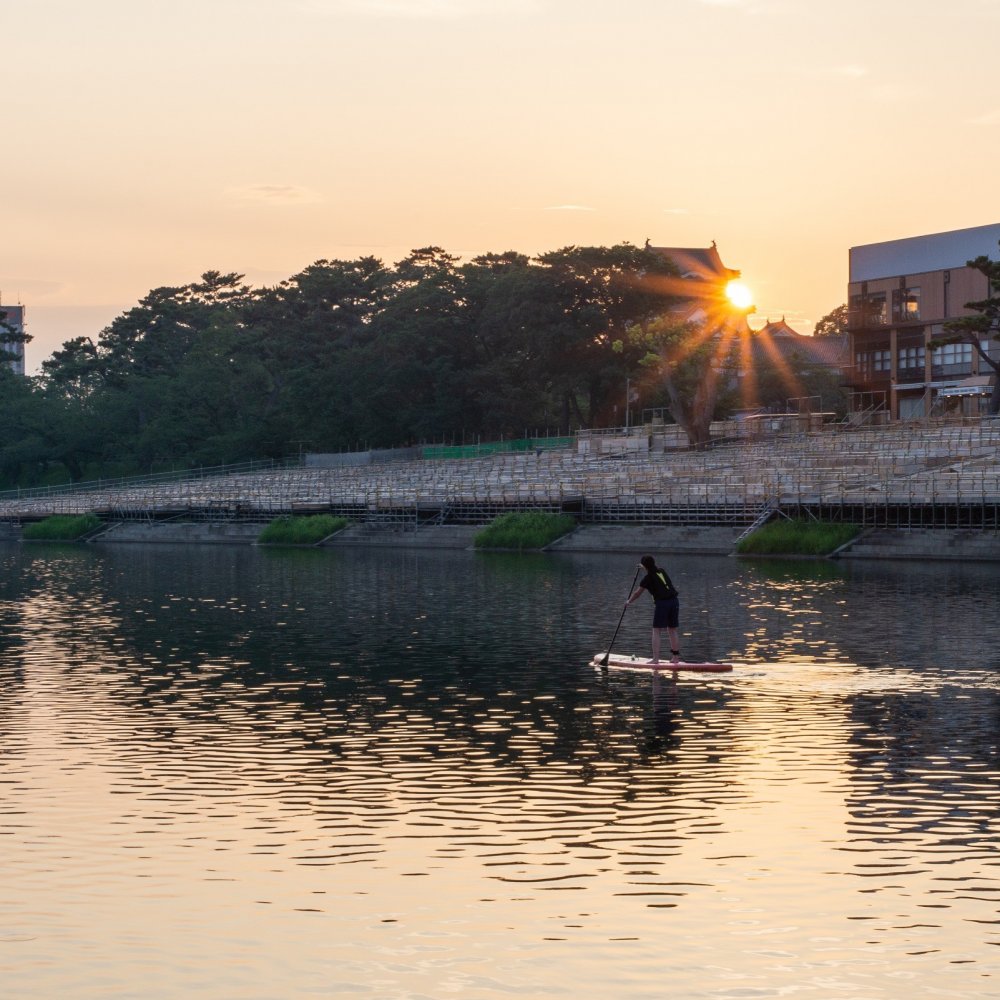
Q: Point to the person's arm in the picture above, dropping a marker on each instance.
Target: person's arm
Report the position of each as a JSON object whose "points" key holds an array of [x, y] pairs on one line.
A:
{"points": [[639, 591]]}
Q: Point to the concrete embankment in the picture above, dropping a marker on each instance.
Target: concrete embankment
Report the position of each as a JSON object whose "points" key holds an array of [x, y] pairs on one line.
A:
{"points": [[960, 545], [927, 545], [649, 538], [175, 533]]}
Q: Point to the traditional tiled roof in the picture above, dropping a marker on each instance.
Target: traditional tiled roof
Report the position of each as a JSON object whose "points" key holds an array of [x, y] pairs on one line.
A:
{"points": [[698, 289], [703, 264], [778, 340]]}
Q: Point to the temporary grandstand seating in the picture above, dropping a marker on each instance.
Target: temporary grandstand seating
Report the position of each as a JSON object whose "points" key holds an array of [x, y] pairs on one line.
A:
{"points": [[899, 474]]}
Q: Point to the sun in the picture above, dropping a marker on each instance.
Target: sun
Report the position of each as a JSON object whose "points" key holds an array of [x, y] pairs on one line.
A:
{"points": [[739, 295]]}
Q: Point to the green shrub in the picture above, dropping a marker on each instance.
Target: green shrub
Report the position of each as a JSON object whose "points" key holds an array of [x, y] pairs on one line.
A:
{"points": [[61, 527], [301, 530], [798, 538], [531, 530]]}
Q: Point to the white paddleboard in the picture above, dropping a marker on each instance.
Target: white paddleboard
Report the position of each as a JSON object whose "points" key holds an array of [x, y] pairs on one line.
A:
{"points": [[619, 661]]}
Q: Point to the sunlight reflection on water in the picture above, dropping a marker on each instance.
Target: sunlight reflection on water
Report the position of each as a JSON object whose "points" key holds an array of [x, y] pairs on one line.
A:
{"points": [[267, 774]]}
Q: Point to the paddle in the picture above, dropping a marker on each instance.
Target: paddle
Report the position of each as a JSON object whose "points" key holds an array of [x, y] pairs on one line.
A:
{"points": [[607, 655]]}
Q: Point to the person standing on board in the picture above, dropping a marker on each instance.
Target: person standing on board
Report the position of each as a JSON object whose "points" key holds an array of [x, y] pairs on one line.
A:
{"points": [[666, 606]]}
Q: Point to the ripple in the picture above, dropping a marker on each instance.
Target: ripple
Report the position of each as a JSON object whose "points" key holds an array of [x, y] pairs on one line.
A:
{"points": [[235, 757]]}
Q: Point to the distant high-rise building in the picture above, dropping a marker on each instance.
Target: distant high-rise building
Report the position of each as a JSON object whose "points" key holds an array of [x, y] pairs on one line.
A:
{"points": [[12, 338]]}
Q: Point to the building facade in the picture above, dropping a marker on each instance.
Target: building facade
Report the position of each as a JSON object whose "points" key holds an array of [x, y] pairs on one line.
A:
{"points": [[900, 295], [11, 332]]}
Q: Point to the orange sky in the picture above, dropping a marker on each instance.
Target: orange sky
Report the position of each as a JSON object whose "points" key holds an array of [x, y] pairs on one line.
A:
{"points": [[151, 140]]}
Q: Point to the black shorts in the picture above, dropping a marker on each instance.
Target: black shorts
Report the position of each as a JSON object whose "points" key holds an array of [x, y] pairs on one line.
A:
{"points": [[667, 614]]}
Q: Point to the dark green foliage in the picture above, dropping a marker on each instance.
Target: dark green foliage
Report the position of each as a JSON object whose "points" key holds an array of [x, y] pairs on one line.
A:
{"points": [[342, 356], [301, 530], [61, 528], [529, 530], [800, 538]]}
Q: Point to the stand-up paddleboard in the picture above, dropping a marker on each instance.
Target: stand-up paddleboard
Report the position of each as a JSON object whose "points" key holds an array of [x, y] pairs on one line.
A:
{"points": [[620, 661]]}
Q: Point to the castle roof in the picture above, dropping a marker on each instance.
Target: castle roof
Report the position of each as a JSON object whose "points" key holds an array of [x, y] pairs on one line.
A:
{"points": [[698, 263]]}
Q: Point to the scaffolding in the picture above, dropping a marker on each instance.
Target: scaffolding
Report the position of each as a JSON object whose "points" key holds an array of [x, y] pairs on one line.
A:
{"points": [[931, 473]]}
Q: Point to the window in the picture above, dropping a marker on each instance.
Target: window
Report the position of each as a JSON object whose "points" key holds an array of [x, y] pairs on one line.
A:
{"points": [[905, 305], [869, 309], [953, 358], [870, 363], [909, 358], [952, 354]]}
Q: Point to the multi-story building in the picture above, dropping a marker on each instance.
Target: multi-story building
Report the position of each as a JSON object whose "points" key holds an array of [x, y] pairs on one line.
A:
{"points": [[12, 348], [900, 295]]}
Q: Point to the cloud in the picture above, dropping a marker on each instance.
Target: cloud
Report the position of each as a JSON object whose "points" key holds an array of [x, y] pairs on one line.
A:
{"points": [[569, 208], [676, 211], [419, 9], [273, 194]]}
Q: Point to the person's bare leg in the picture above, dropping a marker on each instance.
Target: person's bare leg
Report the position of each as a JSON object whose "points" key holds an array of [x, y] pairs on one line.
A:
{"points": [[656, 645], [675, 647]]}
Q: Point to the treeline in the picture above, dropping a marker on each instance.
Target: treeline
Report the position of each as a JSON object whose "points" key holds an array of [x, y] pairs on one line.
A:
{"points": [[351, 354], [344, 354]]}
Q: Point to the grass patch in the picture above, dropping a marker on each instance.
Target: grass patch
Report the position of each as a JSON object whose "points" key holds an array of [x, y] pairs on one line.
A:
{"points": [[798, 538], [531, 530], [306, 530], [61, 528]]}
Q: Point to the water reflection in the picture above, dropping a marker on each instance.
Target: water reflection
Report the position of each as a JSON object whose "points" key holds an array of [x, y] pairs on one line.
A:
{"points": [[225, 741]]}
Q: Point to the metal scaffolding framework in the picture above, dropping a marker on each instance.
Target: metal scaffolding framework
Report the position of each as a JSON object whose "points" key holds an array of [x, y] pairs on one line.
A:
{"points": [[899, 475]]}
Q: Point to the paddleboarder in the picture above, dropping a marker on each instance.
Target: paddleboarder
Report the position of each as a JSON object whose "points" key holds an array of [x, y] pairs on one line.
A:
{"points": [[666, 606]]}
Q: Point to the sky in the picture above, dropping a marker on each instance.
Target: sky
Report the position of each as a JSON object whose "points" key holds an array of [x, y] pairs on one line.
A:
{"points": [[149, 141]]}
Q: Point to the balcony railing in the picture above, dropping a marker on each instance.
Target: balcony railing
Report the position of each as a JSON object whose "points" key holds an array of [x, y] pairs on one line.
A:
{"points": [[866, 319], [879, 319]]}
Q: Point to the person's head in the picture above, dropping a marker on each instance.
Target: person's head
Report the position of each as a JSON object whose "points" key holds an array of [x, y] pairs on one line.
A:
{"points": [[648, 562]]}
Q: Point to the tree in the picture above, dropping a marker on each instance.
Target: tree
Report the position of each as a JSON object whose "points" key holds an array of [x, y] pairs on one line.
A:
{"points": [[422, 343], [509, 305], [305, 341], [127, 392], [833, 324], [74, 371], [979, 329], [599, 295], [694, 362], [347, 352], [22, 447]]}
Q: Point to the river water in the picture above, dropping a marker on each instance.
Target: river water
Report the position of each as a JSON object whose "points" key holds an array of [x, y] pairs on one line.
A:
{"points": [[242, 773]]}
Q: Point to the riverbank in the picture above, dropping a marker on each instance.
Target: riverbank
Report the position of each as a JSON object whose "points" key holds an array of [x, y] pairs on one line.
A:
{"points": [[944, 544]]}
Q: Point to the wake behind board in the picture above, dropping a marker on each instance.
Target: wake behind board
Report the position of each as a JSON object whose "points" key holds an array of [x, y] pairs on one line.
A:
{"points": [[618, 661]]}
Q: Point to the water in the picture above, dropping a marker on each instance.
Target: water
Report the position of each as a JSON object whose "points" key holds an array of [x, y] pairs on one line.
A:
{"points": [[236, 773]]}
